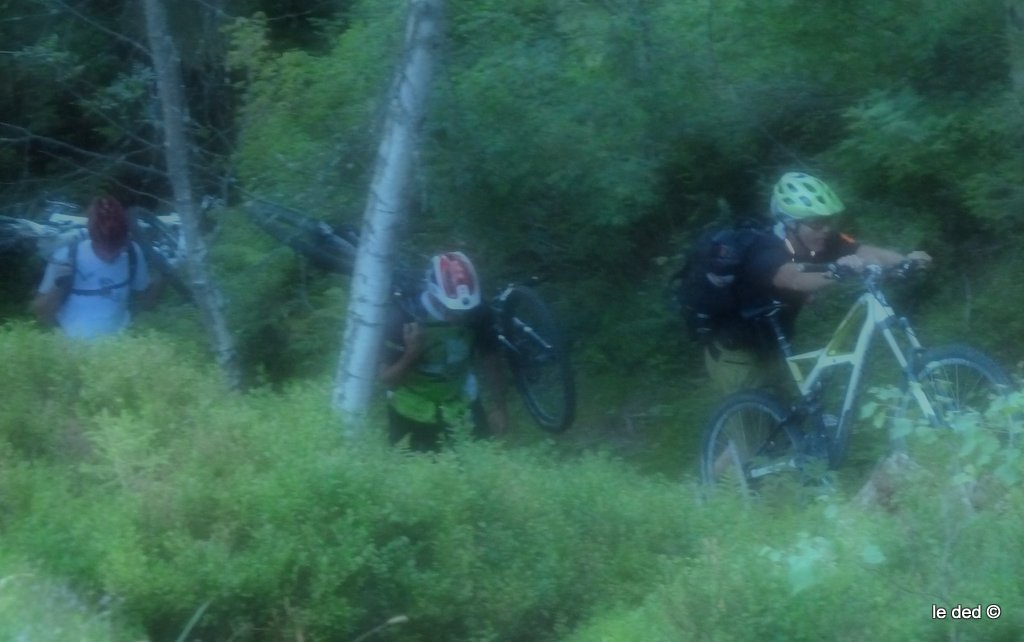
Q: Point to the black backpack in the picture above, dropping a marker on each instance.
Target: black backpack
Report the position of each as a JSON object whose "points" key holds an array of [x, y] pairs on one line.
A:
{"points": [[703, 289]]}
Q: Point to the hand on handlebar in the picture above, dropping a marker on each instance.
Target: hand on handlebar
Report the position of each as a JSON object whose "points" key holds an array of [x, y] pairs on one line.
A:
{"points": [[846, 266], [850, 264], [912, 262]]}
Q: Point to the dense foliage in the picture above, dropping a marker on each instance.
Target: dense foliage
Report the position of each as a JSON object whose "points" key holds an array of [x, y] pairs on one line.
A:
{"points": [[245, 517], [165, 501], [583, 142], [576, 141]]}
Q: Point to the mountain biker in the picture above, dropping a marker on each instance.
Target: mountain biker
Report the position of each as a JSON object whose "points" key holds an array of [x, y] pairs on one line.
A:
{"points": [[430, 348], [86, 286], [776, 268]]}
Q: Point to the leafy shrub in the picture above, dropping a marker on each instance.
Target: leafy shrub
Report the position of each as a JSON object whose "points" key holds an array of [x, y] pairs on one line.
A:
{"points": [[35, 608], [833, 571], [936, 536], [182, 494]]}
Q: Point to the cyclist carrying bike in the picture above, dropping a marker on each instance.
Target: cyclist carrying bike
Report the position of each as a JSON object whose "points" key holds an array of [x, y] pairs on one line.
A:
{"points": [[778, 267], [432, 343], [86, 286]]}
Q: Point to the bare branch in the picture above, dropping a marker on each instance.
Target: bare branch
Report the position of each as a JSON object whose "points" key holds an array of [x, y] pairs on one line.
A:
{"points": [[27, 134], [92, 23]]}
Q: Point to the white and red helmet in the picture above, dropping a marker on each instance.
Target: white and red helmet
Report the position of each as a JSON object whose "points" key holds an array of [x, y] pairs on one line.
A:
{"points": [[451, 279]]}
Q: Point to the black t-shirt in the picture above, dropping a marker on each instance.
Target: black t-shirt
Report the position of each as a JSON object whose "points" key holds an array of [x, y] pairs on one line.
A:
{"points": [[754, 287]]}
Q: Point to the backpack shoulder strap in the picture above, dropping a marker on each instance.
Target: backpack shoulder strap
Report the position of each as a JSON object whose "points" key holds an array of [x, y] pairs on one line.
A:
{"points": [[73, 262], [133, 263], [73, 258]]}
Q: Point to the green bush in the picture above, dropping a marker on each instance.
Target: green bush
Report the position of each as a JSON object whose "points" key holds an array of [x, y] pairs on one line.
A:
{"points": [[937, 535], [180, 493], [836, 572], [35, 608], [151, 484]]}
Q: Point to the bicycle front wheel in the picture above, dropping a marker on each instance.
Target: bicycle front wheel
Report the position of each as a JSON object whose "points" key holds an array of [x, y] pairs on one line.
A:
{"points": [[958, 380], [747, 441], [539, 359]]}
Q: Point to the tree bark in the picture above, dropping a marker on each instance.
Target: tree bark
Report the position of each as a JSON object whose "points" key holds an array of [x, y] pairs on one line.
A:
{"points": [[167, 64], [1015, 38], [385, 208]]}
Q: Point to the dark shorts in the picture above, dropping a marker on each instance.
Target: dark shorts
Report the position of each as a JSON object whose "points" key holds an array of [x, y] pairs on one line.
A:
{"points": [[429, 437]]}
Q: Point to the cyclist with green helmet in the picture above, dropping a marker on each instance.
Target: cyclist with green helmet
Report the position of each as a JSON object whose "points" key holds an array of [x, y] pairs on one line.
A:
{"points": [[431, 348], [775, 268]]}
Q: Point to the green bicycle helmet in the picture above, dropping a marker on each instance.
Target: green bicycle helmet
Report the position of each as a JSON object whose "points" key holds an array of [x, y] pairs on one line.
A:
{"points": [[798, 196]]}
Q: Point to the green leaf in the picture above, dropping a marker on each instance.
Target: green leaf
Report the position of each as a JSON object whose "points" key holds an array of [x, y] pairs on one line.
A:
{"points": [[1007, 474], [901, 427], [872, 555], [802, 573], [868, 409]]}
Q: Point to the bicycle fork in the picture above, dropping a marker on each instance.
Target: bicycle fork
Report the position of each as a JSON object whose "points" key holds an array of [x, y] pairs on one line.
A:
{"points": [[914, 386]]}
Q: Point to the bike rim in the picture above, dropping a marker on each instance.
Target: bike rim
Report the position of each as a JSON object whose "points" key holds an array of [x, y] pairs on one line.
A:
{"points": [[958, 387], [748, 446], [540, 374]]}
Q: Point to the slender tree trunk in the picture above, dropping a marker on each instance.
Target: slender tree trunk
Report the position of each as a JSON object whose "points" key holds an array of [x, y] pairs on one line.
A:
{"points": [[167, 64], [385, 208], [1015, 37]]}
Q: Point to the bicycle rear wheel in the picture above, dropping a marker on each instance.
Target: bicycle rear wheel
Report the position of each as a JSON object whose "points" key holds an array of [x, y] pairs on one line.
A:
{"points": [[958, 380], [746, 442], [326, 247], [539, 359]]}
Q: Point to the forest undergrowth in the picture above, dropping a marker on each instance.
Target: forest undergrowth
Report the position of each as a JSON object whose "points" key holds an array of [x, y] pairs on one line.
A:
{"points": [[141, 500]]}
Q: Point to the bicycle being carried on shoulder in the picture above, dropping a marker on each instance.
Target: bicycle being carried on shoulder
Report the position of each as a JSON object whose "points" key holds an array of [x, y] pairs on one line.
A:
{"points": [[525, 327], [754, 435]]}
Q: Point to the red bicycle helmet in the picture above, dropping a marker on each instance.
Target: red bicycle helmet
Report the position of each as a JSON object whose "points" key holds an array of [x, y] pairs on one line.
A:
{"points": [[108, 226], [452, 280]]}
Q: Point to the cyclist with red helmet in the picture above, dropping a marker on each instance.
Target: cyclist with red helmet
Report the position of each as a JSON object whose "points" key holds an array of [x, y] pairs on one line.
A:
{"points": [[430, 350], [87, 285]]}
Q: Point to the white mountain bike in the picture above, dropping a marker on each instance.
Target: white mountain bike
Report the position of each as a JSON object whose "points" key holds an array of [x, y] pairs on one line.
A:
{"points": [[755, 435]]}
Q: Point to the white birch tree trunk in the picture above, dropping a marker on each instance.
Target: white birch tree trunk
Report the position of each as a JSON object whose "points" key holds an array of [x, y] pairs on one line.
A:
{"points": [[167, 65], [385, 208], [1015, 38]]}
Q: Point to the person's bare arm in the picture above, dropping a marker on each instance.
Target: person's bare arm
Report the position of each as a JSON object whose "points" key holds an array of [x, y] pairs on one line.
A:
{"points": [[873, 255], [46, 304], [412, 337], [792, 276]]}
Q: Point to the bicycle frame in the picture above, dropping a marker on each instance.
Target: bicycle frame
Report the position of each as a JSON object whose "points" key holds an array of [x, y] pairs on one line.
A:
{"points": [[874, 315]]}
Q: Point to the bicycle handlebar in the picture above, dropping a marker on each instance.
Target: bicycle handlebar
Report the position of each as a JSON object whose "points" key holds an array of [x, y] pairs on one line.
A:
{"points": [[870, 272]]}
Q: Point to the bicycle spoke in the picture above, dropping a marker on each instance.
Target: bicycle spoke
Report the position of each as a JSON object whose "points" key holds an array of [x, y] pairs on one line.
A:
{"points": [[959, 380], [746, 443]]}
